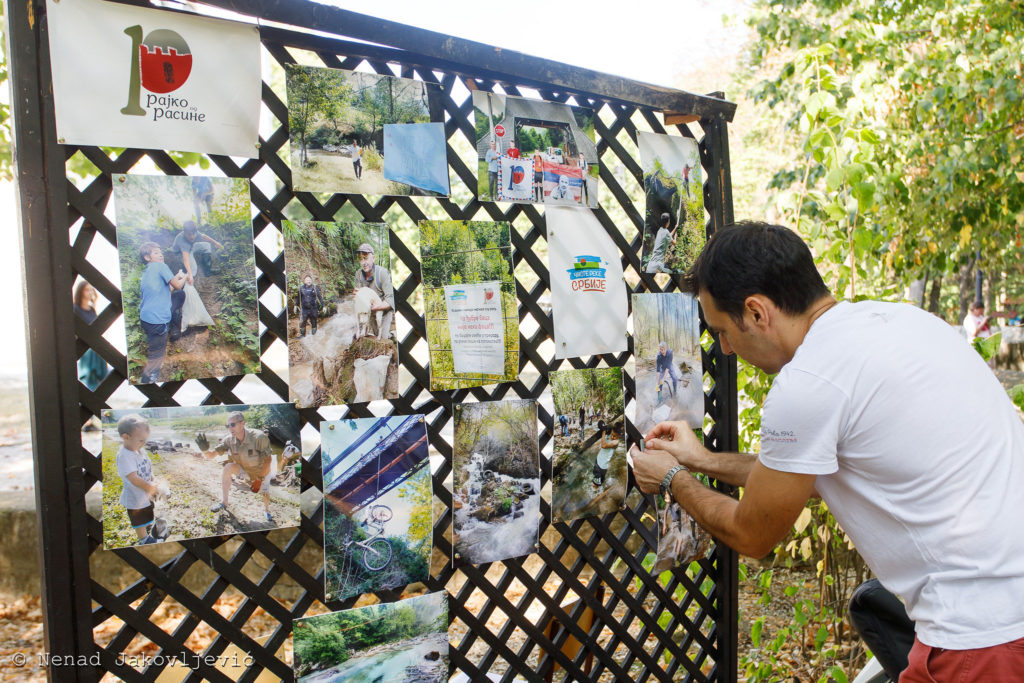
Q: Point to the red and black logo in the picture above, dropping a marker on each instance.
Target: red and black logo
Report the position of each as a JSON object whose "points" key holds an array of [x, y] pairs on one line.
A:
{"points": [[161, 63]]}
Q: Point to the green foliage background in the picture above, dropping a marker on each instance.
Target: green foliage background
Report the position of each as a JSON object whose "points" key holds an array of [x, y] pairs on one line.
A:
{"points": [[328, 251]]}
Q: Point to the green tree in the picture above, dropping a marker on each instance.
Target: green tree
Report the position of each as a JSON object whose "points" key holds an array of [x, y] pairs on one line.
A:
{"points": [[313, 94]]}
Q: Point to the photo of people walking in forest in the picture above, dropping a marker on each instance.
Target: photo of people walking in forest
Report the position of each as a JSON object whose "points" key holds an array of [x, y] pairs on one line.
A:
{"points": [[542, 152], [398, 641], [188, 277], [182, 472], [669, 374], [342, 340], [674, 189], [378, 514], [589, 460], [469, 262], [363, 133], [496, 471]]}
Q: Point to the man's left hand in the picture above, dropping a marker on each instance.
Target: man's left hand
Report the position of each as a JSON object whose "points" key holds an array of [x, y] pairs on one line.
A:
{"points": [[650, 467]]}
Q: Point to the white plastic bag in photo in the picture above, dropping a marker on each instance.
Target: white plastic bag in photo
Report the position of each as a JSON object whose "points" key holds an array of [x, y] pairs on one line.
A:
{"points": [[193, 312]]}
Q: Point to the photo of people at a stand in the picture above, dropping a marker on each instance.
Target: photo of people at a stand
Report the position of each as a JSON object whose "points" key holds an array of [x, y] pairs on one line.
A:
{"points": [[534, 151], [342, 341], [589, 458], [378, 514], [669, 374], [674, 221], [177, 473], [362, 133], [188, 277], [403, 641]]}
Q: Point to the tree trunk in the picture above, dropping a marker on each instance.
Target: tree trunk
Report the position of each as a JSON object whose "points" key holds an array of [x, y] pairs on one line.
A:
{"points": [[967, 281], [933, 295]]}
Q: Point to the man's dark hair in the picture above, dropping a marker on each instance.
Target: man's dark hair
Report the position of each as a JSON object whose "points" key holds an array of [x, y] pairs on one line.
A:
{"points": [[665, 218], [752, 257]]}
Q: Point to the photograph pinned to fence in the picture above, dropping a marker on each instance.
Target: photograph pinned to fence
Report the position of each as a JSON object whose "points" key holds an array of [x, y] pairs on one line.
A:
{"points": [[338, 125], [397, 641], [589, 302], [546, 144], [496, 474], [680, 539], [674, 230], [188, 277], [669, 374], [177, 473], [467, 274], [588, 464], [342, 344], [378, 513]]}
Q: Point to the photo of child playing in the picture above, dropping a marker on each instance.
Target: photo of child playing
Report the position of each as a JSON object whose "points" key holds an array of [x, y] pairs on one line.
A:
{"points": [[136, 471]]}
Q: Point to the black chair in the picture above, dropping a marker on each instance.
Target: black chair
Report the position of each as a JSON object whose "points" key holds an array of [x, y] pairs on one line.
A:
{"points": [[882, 622]]}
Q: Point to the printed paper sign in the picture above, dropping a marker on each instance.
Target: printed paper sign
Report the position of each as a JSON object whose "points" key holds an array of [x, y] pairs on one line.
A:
{"points": [[477, 327], [133, 77], [515, 180], [588, 294], [563, 184]]}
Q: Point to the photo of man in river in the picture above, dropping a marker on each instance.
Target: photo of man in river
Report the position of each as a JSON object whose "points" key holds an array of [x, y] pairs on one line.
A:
{"points": [[223, 470], [496, 471], [589, 464]]}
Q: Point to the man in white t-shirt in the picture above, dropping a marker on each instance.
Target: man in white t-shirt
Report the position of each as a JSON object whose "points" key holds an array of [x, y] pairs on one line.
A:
{"points": [[883, 411]]}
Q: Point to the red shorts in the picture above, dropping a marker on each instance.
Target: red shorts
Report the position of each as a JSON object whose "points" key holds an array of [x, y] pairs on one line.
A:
{"points": [[999, 663]]}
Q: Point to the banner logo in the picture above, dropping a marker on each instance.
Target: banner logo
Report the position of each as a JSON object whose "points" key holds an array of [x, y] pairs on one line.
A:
{"points": [[160, 63], [458, 295], [587, 275]]}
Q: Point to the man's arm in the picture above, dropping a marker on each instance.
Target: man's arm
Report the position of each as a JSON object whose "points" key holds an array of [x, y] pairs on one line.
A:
{"points": [[212, 241], [678, 440], [389, 291], [752, 525]]}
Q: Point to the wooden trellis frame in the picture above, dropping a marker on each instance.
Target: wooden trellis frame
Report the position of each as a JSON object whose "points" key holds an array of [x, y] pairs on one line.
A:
{"points": [[59, 224]]}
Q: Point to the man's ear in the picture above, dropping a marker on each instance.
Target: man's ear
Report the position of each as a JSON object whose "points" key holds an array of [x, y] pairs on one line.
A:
{"points": [[757, 308]]}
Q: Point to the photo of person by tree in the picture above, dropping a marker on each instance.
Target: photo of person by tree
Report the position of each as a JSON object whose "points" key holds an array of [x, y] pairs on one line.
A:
{"points": [[184, 472], [674, 230], [465, 252], [378, 515], [337, 121], [496, 475], [398, 641], [342, 341], [669, 374], [188, 277], [588, 463]]}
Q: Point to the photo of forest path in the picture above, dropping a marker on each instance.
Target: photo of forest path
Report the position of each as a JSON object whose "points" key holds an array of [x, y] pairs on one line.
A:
{"points": [[176, 449], [496, 473], [378, 515], [589, 458], [669, 373], [223, 340], [332, 359], [403, 641], [336, 122]]}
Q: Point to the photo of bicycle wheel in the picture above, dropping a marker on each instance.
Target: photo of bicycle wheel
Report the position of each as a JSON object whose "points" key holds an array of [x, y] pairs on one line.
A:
{"points": [[378, 518]]}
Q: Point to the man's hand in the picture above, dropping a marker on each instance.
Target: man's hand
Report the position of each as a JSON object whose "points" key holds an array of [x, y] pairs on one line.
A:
{"points": [[650, 467], [678, 440]]}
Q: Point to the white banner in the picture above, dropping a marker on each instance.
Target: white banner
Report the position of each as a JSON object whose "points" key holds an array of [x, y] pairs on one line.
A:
{"points": [[477, 327], [588, 294], [134, 77], [515, 180]]}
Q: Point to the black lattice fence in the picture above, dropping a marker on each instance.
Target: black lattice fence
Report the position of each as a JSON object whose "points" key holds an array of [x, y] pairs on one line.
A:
{"points": [[518, 618]]}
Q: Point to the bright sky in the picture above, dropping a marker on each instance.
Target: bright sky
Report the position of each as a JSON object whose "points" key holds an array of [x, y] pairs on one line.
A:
{"points": [[661, 44]]}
